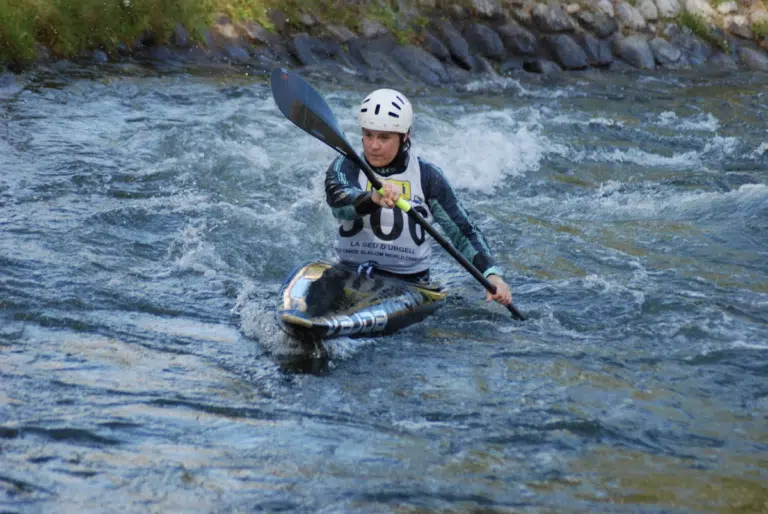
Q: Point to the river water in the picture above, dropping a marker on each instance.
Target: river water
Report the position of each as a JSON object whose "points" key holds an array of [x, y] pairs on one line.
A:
{"points": [[148, 219]]}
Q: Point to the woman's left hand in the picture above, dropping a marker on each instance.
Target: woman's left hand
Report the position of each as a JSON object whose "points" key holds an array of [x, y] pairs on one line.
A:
{"points": [[503, 294]]}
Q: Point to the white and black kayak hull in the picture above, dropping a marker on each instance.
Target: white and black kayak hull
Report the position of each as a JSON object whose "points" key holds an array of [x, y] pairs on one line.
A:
{"points": [[320, 300]]}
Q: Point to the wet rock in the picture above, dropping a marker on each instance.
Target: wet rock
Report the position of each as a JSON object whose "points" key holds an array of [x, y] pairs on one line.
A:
{"points": [[517, 40], [648, 10], [180, 36], [307, 50], [264, 58], [236, 53], [567, 52], [42, 52], [668, 8], [621, 66], [457, 74], [572, 8], [207, 38], [598, 23], [160, 53], [99, 57], [753, 59], [598, 51], [722, 62], [605, 7], [629, 17], [665, 53], [635, 50], [552, 18], [485, 41], [483, 66], [376, 55], [738, 26], [455, 42], [543, 66], [421, 64], [278, 19], [511, 65], [457, 11], [695, 50], [671, 31], [372, 28], [340, 33], [522, 16], [487, 8], [700, 8], [307, 20], [409, 9], [256, 33], [434, 46]]}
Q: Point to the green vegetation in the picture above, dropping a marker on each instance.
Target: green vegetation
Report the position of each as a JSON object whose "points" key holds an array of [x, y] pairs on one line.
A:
{"points": [[718, 3], [699, 25], [760, 29], [68, 27]]}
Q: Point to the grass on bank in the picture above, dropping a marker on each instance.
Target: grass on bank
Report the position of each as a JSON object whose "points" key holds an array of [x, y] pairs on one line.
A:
{"points": [[760, 29], [69, 27], [699, 26]]}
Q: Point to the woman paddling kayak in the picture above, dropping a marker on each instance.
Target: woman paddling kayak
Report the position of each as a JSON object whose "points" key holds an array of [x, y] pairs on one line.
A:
{"points": [[373, 235]]}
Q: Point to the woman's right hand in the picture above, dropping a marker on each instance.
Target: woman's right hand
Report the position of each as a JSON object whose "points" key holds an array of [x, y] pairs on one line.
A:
{"points": [[389, 198]]}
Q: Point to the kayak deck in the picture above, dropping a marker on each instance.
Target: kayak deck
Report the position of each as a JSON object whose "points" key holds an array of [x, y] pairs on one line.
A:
{"points": [[320, 300]]}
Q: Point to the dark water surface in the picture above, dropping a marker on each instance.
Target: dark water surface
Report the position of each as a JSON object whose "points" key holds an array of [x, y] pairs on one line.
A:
{"points": [[148, 220]]}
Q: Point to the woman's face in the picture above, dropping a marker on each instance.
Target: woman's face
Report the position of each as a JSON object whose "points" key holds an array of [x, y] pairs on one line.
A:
{"points": [[380, 147]]}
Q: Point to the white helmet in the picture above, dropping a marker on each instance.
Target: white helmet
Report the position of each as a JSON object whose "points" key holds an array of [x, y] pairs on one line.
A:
{"points": [[386, 110]]}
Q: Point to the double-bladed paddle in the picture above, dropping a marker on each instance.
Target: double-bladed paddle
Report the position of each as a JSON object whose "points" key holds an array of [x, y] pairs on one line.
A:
{"points": [[304, 106]]}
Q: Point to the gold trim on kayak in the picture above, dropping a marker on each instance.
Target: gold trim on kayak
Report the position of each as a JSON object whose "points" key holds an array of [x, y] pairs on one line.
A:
{"points": [[296, 320]]}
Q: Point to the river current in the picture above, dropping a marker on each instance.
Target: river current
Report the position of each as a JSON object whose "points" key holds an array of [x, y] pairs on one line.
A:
{"points": [[147, 221]]}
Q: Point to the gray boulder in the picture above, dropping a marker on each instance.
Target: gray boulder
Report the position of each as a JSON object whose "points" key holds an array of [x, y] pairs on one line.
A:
{"points": [[455, 42], [598, 51], [695, 51], [552, 18], [485, 41], [629, 17], [517, 40], [635, 50], [753, 59], [421, 64], [375, 55], [599, 24], [304, 48], [543, 66], [566, 51], [511, 65], [434, 46], [665, 53], [722, 62], [488, 8]]}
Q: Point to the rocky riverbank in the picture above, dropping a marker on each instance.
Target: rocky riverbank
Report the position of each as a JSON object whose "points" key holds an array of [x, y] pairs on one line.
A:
{"points": [[436, 43]]}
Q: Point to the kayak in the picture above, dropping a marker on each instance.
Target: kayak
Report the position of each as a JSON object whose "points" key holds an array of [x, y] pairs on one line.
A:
{"points": [[320, 300]]}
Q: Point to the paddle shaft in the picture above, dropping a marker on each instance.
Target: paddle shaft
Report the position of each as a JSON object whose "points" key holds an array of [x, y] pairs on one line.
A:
{"points": [[418, 218]]}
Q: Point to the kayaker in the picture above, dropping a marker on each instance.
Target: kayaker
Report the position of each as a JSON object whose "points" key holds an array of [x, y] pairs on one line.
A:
{"points": [[375, 235]]}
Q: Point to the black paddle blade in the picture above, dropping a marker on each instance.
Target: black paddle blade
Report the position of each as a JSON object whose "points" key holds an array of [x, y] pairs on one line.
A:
{"points": [[304, 106]]}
